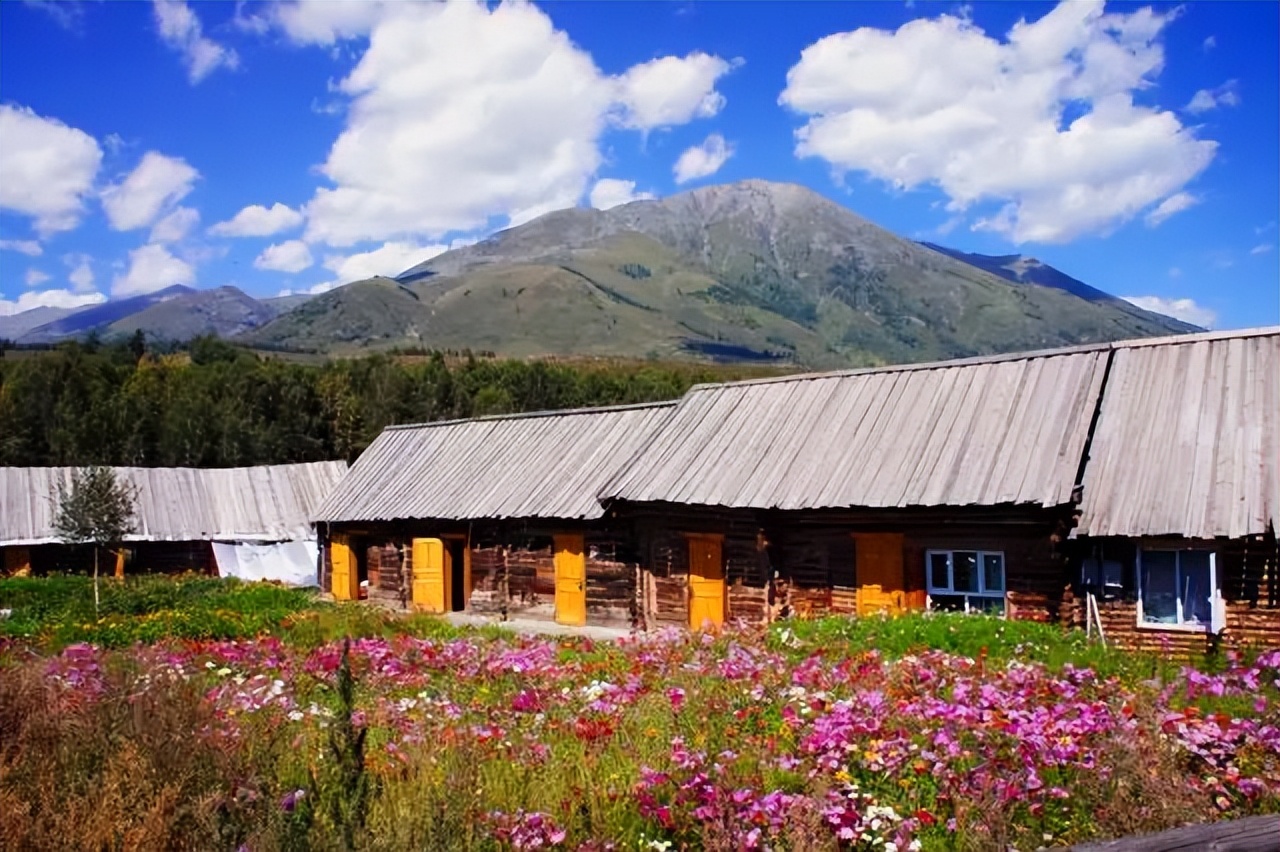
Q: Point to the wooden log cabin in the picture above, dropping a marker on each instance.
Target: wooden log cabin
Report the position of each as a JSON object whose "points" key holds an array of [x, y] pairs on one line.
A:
{"points": [[494, 515], [1176, 539], [1143, 473]]}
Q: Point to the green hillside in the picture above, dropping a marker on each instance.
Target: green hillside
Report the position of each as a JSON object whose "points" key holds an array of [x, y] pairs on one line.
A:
{"points": [[749, 271]]}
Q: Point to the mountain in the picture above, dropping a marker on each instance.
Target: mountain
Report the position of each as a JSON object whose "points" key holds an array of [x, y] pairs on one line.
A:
{"points": [[14, 326], [223, 311], [99, 317], [1029, 270], [174, 313], [752, 270]]}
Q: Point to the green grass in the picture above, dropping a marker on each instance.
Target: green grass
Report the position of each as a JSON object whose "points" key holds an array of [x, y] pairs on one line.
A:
{"points": [[975, 636], [58, 610]]}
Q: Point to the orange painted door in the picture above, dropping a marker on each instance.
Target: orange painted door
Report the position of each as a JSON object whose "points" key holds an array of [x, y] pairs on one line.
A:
{"points": [[571, 579], [881, 580], [345, 579], [431, 592], [17, 561], [706, 583]]}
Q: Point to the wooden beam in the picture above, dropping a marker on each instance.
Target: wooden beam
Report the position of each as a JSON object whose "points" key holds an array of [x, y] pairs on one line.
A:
{"points": [[1251, 834]]}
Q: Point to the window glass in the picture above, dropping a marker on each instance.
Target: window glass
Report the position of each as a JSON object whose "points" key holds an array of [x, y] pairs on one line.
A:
{"points": [[984, 603], [1193, 586], [964, 566], [947, 603], [993, 572], [938, 571], [1160, 586]]}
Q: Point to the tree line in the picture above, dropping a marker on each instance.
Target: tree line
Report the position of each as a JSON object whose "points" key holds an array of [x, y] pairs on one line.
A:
{"points": [[211, 404]]}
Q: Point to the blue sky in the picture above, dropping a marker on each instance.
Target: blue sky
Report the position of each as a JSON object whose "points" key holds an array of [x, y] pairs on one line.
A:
{"points": [[298, 146]]}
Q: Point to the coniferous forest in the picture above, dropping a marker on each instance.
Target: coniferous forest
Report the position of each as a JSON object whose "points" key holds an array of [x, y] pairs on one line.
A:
{"points": [[211, 404]]}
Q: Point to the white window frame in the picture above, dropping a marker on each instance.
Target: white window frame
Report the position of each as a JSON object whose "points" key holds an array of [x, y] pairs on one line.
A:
{"points": [[1216, 607], [982, 592]]}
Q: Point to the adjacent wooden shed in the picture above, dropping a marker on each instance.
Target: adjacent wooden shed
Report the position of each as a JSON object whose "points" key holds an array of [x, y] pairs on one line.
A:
{"points": [[493, 515], [245, 521]]}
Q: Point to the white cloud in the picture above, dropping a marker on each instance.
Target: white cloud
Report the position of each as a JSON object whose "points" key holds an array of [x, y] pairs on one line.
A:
{"points": [[46, 169], [703, 160], [34, 277], [671, 90], [1184, 309], [49, 299], [81, 276], [461, 113], [1175, 272], [1261, 248], [1210, 43], [322, 287], [291, 256], [388, 260], [175, 226], [152, 268], [1043, 121], [181, 30], [1175, 203], [258, 221], [1206, 99], [157, 183], [418, 157], [611, 192], [319, 22], [30, 248]]}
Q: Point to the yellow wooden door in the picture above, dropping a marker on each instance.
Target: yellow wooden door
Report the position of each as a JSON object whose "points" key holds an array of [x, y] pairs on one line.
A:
{"points": [[706, 582], [431, 592], [345, 578], [880, 575], [571, 579]]}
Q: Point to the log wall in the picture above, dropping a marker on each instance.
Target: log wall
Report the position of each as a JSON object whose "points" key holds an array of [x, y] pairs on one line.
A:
{"points": [[512, 567]]}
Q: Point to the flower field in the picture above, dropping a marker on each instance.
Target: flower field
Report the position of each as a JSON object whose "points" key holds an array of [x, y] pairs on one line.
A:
{"points": [[748, 741]]}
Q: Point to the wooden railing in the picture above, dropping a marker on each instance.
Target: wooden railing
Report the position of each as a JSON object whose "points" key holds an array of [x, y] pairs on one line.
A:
{"points": [[1252, 834]]}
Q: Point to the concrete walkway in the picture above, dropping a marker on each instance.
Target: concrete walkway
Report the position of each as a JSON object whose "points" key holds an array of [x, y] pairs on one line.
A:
{"points": [[537, 627]]}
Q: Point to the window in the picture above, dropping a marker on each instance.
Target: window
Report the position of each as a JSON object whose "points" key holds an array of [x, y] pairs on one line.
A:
{"points": [[966, 580], [1176, 587]]}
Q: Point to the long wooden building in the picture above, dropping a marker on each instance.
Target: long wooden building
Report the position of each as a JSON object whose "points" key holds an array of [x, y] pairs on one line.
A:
{"points": [[1133, 485]]}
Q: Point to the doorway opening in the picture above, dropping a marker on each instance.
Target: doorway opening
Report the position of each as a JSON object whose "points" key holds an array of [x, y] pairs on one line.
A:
{"points": [[457, 559]]}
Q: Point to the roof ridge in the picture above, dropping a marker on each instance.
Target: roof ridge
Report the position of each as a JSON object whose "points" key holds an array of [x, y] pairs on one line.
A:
{"points": [[1004, 357], [524, 415], [174, 467]]}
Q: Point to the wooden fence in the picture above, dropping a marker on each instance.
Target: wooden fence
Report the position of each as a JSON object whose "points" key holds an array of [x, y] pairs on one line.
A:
{"points": [[1252, 834]]}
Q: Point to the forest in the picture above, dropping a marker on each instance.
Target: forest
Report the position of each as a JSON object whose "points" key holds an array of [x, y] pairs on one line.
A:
{"points": [[211, 404]]}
